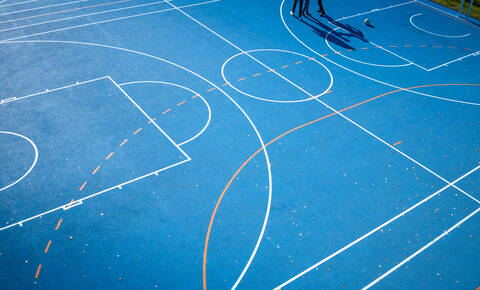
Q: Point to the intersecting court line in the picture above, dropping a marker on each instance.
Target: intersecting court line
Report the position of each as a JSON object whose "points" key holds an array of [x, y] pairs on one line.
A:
{"points": [[119, 186], [375, 229], [63, 11], [83, 15], [326, 105], [43, 7], [108, 20], [422, 249]]}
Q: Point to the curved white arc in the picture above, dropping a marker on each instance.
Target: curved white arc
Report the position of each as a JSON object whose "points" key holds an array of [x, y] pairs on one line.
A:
{"points": [[432, 33], [362, 75], [264, 149], [270, 100], [185, 88], [359, 61], [34, 161]]}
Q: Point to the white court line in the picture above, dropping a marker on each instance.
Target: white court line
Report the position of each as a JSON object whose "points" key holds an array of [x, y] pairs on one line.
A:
{"points": [[374, 10], [80, 201], [187, 89], [432, 33], [149, 118], [395, 54], [43, 7], [362, 75], [63, 11], [34, 161], [83, 15], [374, 230], [271, 100], [107, 21], [421, 249], [476, 53], [359, 61], [446, 13], [13, 4], [323, 103], [264, 149]]}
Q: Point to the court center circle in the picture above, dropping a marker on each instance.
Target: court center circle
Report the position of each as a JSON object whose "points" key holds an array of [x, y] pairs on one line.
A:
{"points": [[271, 99]]}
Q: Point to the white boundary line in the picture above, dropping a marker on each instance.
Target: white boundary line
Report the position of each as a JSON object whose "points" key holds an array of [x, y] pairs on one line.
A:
{"points": [[446, 13], [63, 11], [119, 186], [323, 103], [375, 10], [271, 100], [374, 230], [83, 15], [432, 33], [43, 7], [395, 54], [13, 4], [421, 249], [476, 53], [106, 21], [185, 88], [359, 61], [264, 149], [34, 160]]}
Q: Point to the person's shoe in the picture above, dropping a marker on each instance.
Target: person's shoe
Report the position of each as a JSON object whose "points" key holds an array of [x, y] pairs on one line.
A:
{"points": [[291, 13], [322, 14]]}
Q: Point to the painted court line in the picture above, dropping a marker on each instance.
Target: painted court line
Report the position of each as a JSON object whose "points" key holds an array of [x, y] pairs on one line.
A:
{"points": [[432, 33], [64, 11], [58, 224], [421, 250], [96, 170], [18, 3], [374, 230], [324, 104], [38, 271], [43, 7], [47, 247], [83, 186], [83, 15], [375, 10], [81, 200], [107, 21]]}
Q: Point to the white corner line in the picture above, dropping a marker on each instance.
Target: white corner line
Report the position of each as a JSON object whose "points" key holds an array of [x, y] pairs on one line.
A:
{"points": [[374, 230], [421, 249]]}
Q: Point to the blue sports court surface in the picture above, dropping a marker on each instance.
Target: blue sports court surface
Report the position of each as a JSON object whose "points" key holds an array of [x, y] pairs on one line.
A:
{"points": [[222, 144]]}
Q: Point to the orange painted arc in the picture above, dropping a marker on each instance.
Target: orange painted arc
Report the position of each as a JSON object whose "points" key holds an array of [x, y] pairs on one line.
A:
{"points": [[212, 218]]}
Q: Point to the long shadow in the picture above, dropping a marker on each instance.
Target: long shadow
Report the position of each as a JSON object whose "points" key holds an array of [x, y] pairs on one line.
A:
{"points": [[336, 37]]}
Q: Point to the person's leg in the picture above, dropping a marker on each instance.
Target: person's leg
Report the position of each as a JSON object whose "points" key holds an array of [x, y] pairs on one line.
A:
{"points": [[307, 6], [294, 6], [320, 8], [301, 9]]}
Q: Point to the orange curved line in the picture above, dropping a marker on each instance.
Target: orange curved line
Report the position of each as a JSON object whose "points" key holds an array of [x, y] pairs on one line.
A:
{"points": [[212, 218]]}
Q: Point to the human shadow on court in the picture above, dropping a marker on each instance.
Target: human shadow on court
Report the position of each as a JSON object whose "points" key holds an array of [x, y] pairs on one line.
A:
{"points": [[340, 35]]}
